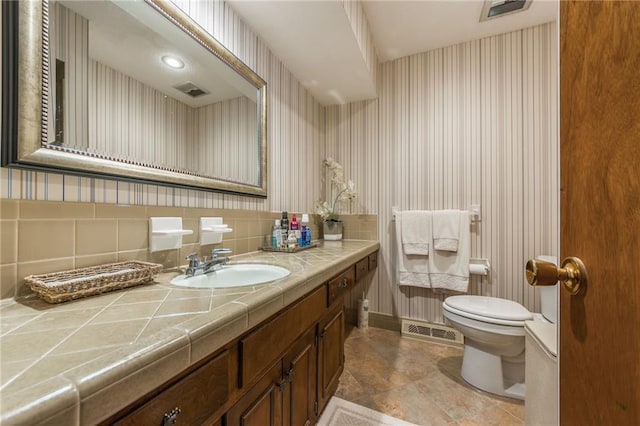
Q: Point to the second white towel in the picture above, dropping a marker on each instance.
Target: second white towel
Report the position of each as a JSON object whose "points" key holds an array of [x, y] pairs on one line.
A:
{"points": [[446, 229], [448, 270]]}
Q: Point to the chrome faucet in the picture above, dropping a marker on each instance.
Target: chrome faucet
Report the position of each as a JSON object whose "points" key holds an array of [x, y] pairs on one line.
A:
{"points": [[204, 266]]}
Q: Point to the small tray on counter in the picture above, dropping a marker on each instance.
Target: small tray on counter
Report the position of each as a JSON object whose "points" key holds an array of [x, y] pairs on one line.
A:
{"points": [[78, 283], [288, 250]]}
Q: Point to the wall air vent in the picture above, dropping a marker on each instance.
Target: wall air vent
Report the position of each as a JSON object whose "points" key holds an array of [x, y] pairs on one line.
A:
{"points": [[495, 8], [190, 89], [431, 332]]}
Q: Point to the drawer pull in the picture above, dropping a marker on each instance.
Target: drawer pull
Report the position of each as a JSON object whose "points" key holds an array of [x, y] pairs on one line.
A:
{"points": [[281, 384], [171, 417], [344, 283], [289, 375]]}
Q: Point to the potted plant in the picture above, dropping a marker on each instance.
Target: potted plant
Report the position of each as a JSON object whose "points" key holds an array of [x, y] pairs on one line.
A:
{"points": [[340, 191]]}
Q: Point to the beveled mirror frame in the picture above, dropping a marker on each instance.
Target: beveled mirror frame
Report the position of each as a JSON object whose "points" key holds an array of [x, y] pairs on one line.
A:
{"points": [[25, 99]]}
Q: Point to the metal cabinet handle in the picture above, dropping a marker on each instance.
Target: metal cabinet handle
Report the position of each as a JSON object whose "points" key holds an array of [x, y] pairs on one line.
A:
{"points": [[171, 417], [344, 283], [287, 378], [281, 384], [289, 375]]}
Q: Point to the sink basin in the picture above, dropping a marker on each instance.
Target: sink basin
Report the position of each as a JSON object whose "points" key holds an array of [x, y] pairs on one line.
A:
{"points": [[238, 275]]}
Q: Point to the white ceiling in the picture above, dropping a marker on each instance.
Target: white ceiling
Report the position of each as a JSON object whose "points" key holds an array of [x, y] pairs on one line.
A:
{"points": [[402, 28], [315, 41]]}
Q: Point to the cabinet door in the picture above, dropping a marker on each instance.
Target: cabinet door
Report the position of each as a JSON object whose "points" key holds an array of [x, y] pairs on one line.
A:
{"points": [[262, 404], [300, 369], [331, 354]]}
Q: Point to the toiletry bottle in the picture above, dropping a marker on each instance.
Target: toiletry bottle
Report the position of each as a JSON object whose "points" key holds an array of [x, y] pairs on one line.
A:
{"points": [[284, 226], [292, 243], [305, 234], [276, 238], [295, 227]]}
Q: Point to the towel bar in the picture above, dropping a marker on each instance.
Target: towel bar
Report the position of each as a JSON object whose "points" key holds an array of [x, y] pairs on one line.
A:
{"points": [[474, 213]]}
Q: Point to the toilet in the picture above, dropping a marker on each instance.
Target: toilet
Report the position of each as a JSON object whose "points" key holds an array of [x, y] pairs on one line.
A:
{"points": [[541, 367], [494, 331]]}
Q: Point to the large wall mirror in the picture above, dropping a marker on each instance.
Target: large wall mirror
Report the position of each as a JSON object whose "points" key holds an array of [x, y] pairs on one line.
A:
{"points": [[130, 89]]}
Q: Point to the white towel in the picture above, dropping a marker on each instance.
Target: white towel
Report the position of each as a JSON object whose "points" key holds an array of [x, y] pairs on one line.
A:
{"points": [[412, 269], [416, 231], [450, 271], [446, 229]]}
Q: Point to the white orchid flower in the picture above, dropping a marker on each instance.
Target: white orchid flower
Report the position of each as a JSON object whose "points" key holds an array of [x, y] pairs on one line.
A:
{"points": [[345, 191]]}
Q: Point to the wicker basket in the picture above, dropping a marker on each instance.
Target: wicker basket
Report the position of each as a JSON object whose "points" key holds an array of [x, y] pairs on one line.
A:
{"points": [[70, 285]]}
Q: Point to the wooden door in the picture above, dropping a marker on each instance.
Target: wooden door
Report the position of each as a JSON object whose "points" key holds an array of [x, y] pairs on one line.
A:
{"points": [[600, 211], [262, 404], [300, 369], [330, 354]]}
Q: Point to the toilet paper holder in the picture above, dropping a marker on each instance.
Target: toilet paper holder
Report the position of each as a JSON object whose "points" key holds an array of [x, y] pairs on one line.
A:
{"points": [[479, 266]]}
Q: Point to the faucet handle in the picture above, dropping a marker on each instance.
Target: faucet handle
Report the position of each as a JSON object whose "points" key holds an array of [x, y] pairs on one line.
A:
{"points": [[193, 260], [216, 252], [192, 256]]}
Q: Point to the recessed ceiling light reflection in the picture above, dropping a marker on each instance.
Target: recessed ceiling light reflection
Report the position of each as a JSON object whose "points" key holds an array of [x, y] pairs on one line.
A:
{"points": [[173, 62]]}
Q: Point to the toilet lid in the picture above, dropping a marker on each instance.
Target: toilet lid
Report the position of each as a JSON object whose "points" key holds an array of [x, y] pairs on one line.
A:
{"points": [[489, 307]]}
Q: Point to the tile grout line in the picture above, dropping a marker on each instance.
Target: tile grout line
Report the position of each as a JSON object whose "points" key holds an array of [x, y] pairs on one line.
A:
{"points": [[153, 316], [4, 385]]}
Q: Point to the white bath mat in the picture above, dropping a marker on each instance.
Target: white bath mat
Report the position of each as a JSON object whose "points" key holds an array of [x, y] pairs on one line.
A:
{"points": [[344, 413]]}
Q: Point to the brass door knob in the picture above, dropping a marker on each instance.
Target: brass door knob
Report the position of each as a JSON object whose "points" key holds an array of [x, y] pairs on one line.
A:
{"points": [[572, 274]]}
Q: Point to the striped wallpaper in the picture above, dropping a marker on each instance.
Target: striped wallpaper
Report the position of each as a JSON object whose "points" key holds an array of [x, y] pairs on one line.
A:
{"points": [[474, 123], [471, 123], [225, 144], [144, 125], [70, 44]]}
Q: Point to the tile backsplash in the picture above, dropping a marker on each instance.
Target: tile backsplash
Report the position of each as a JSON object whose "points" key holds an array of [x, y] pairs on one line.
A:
{"points": [[49, 236]]}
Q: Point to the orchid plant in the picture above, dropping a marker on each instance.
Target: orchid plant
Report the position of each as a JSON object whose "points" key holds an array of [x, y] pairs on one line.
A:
{"points": [[343, 191]]}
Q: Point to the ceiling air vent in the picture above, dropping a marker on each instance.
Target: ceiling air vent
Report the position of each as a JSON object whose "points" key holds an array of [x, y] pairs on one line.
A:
{"points": [[191, 89], [495, 8]]}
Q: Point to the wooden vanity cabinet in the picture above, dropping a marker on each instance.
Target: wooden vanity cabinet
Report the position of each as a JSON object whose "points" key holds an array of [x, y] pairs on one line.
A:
{"points": [[283, 372]]}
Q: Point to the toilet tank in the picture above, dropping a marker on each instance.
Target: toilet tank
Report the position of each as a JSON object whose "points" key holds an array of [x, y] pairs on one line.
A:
{"points": [[549, 294]]}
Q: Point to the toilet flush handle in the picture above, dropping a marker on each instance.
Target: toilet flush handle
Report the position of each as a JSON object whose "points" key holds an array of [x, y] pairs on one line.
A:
{"points": [[572, 273]]}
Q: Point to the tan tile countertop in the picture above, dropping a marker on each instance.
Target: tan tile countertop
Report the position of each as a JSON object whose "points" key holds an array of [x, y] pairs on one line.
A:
{"points": [[80, 362]]}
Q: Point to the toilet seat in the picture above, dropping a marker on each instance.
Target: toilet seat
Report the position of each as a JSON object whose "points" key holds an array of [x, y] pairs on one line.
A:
{"points": [[488, 309]]}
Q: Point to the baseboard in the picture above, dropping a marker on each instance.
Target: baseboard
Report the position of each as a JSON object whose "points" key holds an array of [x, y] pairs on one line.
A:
{"points": [[386, 322], [377, 320]]}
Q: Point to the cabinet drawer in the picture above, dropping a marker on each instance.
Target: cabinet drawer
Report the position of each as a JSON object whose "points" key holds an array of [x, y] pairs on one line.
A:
{"points": [[197, 396], [263, 346], [362, 268], [339, 285], [373, 261]]}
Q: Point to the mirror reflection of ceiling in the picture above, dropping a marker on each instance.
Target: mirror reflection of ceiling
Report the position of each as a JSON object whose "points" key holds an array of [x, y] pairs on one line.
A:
{"points": [[122, 36]]}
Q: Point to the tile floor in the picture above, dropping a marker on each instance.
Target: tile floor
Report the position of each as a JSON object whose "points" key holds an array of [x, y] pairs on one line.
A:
{"points": [[418, 382]]}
